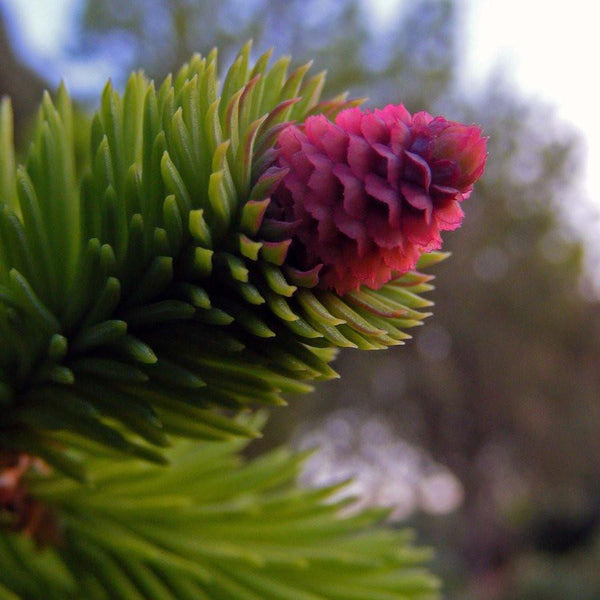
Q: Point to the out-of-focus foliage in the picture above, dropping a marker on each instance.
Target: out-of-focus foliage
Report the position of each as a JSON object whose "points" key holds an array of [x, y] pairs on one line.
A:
{"points": [[211, 526], [407, 64]]}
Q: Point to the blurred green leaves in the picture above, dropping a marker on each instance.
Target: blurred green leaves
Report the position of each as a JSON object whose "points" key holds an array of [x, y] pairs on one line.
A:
{"points": [[210, 526]]}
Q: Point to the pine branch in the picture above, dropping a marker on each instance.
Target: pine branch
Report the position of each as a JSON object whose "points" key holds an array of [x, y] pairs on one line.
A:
{"points": [[211, 251], [156, 287], [210, 526]]}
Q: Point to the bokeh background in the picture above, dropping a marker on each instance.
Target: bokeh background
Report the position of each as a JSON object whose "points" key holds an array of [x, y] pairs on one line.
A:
{"points": [[483, 432]]}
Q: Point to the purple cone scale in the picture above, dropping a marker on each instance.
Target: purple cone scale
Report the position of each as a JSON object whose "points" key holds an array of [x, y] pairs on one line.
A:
{"points": [[371, 192]]}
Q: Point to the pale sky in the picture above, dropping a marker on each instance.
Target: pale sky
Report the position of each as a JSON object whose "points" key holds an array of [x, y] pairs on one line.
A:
{"points": [[551, 49]]}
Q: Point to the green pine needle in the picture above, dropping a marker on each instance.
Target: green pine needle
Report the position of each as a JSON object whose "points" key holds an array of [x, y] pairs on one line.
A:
{"points": [[211, 526], [148, 291]]}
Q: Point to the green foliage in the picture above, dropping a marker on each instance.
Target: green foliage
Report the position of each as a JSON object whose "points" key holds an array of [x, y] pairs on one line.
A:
{"points": [[145, 296], [209, 526], [137, 297]]}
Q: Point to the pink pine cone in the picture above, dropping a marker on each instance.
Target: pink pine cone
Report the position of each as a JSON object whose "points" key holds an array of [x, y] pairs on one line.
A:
{"points": [[370, 192]]}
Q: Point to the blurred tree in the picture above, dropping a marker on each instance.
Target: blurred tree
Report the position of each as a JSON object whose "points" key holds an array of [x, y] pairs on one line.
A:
{"points": [[161, 34], [512, 406], [503, 385]]}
